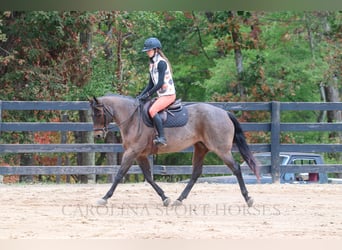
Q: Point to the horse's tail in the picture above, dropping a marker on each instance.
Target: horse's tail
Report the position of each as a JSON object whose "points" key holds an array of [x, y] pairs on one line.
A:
{"points": [[241, 143]]}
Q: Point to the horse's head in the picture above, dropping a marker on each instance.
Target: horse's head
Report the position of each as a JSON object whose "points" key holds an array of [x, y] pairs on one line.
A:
{"points": [[102, 116]]}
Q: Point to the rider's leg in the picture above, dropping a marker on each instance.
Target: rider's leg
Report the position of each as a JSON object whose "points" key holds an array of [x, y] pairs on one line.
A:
{"points": [[158, 123], [160, 104]]}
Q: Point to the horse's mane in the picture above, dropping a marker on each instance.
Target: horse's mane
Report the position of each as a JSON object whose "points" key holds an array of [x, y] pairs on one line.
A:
{"points": [[118, 95]]}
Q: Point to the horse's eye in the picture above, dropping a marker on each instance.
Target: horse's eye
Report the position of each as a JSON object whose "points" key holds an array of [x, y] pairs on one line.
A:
{"points": [[97, 112]]}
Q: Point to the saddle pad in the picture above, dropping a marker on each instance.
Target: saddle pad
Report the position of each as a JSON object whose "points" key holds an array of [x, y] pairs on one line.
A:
{"points": [[175, 119]]}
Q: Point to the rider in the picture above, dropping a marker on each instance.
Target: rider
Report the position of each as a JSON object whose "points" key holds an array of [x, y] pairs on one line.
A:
{"points": [[160, 82]]}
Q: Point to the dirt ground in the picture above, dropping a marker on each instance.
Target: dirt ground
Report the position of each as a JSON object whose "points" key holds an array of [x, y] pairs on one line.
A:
{"points": [[212, 211]]}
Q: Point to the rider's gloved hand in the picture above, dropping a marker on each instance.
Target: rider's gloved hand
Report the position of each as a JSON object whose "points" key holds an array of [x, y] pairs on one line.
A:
{"points": [[143, 97]]}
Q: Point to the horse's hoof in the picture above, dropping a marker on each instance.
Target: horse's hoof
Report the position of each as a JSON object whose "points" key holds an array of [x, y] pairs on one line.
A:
{"points": [[250, 202], [102, 202], [166, 202], [177, 203]]}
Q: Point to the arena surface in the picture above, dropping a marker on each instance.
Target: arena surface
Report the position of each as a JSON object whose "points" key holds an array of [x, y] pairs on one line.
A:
{"points": [[212, 211]]}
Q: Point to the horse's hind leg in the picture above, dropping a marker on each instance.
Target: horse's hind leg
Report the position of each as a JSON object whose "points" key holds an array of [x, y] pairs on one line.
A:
{"points": [[230, 162], [146, 169], [200, 150], [238, 174]]}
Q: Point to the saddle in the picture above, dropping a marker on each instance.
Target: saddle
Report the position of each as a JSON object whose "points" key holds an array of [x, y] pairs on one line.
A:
{"points": [[175, 115]]}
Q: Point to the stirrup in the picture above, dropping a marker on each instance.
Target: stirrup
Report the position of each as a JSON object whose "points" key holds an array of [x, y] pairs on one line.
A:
{"points": [[160, 141]]}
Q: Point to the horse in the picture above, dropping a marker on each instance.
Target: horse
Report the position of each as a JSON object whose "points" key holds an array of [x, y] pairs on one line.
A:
{"points": [[209, 129]]}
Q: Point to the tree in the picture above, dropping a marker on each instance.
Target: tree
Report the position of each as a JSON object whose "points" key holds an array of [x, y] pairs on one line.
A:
{"points": [[328, 28], [324, 29], [44, 60], [3, 52], [332, 27], [185, 41], [39, 42], [235, 31], [118, 28]]}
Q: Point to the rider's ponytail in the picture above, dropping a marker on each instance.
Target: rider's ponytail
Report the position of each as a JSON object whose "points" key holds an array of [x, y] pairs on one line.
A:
{"points": [[160, 52]]}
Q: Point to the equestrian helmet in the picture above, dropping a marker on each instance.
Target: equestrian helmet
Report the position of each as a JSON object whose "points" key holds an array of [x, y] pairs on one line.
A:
{"points": [[151, 43]]}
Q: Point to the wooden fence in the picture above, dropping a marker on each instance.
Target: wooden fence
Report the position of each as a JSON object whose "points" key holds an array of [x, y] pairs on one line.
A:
{"points": [[274, 126]]}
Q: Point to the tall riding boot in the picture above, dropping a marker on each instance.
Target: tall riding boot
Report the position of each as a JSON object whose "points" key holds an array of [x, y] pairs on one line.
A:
{"points": [[158, 123]]}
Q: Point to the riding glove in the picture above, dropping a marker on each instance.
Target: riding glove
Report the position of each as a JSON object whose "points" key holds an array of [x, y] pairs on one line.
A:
{"points": [[143, 97]]}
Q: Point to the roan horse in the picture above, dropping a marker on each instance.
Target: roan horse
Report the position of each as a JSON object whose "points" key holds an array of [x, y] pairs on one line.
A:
{"points": [[209, 129]]}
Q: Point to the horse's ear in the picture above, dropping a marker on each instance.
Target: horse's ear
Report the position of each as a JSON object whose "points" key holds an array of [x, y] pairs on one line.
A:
{"points": [[95, 99]]}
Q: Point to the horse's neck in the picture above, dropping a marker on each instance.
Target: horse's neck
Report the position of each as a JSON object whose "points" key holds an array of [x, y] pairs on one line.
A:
{"points": [[123, 110]]}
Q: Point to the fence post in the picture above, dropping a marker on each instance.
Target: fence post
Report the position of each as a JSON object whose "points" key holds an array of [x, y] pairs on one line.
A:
{"points": [[275, 141], [1, 177], [0, 116], [64, 118]]}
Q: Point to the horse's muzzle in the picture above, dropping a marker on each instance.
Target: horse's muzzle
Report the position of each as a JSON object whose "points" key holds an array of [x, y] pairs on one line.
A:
{"points": [[98, 136], [100, 133]]}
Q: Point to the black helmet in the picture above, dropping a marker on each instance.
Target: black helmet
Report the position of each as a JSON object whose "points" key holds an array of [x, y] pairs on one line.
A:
{"points": [[151, 43]]}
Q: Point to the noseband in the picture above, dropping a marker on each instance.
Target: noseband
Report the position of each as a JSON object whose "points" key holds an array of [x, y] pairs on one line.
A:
{"points": [[107, 116]]}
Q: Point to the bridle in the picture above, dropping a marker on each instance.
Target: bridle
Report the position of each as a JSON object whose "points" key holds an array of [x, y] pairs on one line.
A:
{"points": [[108, 116], [106, 113]]}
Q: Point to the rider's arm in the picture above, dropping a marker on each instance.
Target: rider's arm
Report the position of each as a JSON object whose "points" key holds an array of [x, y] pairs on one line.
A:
{"points": [[161, 75], [148, 87]]}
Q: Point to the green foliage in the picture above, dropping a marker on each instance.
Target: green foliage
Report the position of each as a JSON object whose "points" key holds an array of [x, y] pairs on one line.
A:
{"points": [[45, 58], [184, 40], [41, 59], [101, 79], [284, 63]]}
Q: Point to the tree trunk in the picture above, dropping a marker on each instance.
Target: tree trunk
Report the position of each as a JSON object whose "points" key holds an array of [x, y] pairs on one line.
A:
{"points": [[237, 55], [107, 46], [308, 22], [332, 86], [86, 39], [323, 113], [332, 95]]}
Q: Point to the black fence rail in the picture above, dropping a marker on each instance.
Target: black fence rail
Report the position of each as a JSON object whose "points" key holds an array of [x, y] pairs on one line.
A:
{"points": [[274, 126]]}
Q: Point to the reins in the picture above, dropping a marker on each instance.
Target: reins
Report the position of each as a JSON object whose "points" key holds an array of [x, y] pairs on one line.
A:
{"points": [[129, 118]]}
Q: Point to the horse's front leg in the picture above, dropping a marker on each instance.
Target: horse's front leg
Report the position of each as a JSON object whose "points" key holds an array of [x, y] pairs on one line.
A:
{"points": [[146, 169], [127, 161]]}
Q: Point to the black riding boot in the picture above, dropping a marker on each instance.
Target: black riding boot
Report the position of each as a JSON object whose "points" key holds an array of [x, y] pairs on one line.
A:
{"points": [[158, 123]]}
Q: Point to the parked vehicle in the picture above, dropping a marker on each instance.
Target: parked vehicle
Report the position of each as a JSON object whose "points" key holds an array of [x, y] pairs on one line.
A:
{"points": [[295, 158], [264, 159]]}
